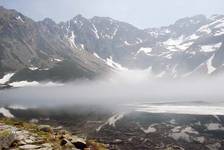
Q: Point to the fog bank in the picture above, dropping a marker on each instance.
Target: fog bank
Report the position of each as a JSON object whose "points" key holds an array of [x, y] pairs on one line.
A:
{"points": [[123, 88]]}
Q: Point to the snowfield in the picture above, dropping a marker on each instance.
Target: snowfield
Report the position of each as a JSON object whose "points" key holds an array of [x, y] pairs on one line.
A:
{"points": [[178, 109]]}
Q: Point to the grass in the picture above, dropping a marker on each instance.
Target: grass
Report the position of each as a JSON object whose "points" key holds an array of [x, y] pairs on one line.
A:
{"points": [[5, 133]]}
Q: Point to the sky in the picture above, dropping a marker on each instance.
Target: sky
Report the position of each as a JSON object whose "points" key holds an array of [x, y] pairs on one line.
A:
{"points": [[141, 13]]}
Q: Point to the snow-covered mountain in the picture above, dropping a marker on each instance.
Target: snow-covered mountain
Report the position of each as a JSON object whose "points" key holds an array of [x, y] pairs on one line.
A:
{"points": [[81, 47], [190, 46]]}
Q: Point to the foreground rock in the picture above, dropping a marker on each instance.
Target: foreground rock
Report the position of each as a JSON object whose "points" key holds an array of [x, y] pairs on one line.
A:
{"points": [[26, 136]]}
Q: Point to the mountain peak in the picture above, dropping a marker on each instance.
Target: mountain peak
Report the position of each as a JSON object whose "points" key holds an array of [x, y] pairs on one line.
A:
{"points": [[48, 21]]}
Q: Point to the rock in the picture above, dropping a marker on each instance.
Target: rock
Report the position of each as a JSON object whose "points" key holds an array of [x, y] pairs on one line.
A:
{"points": [[18, 123], [46, 148], [66, 143], [174, 147], [57, 129], [28, 141], [79, 143], [63, 132], [75, 139], [34, 121], [46, 145], [45, 128], [29, 147], [117, 141], [215, 146], [63, 142], [7, 137]]}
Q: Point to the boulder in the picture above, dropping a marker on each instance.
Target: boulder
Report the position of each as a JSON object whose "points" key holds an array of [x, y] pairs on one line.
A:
{"points": [[79, 143], [66, 143], [45, 128]]}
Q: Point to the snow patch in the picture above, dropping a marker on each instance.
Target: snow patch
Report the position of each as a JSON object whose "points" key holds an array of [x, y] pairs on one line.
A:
{"points": [[210, 68], [6, 78], [111, 63], [172, 121], [20, 19], [35, 83], [6, 113], [111, 121], [115, 32], [177, 44], [214, 126], [178, 109], [17, 107], [95, 31], [205, 29], [146, 50], [139, 41], [210, 48], [126, 43], [150, 129], [220, 32], [96, 55], [183, 134], [193, 37], [33, 68], [82, 46], [71, 40], [221, 25], [58, 60], [24, 83]]}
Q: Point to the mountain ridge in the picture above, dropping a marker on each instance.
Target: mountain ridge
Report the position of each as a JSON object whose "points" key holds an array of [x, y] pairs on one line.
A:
{"points": [[192, 45]]}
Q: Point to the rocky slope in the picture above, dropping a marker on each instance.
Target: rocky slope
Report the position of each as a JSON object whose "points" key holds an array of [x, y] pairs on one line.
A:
{"points": [[19, 135], [135, 129]]}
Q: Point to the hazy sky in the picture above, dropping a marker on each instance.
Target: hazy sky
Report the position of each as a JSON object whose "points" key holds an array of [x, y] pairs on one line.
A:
{"points": [[142, 13]]}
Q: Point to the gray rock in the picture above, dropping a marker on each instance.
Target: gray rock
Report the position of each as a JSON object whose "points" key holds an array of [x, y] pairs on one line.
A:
{"points": [[45, 128]]}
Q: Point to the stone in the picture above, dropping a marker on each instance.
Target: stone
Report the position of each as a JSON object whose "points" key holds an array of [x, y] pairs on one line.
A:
{"points": [[66, 143], [75, 139], [46, 145], [34, 121], [29, 147], [45, 128]]}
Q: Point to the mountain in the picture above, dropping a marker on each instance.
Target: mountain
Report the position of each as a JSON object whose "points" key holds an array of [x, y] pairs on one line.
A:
{"points": [[40, 51], [192, 45], [87, 48]]}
